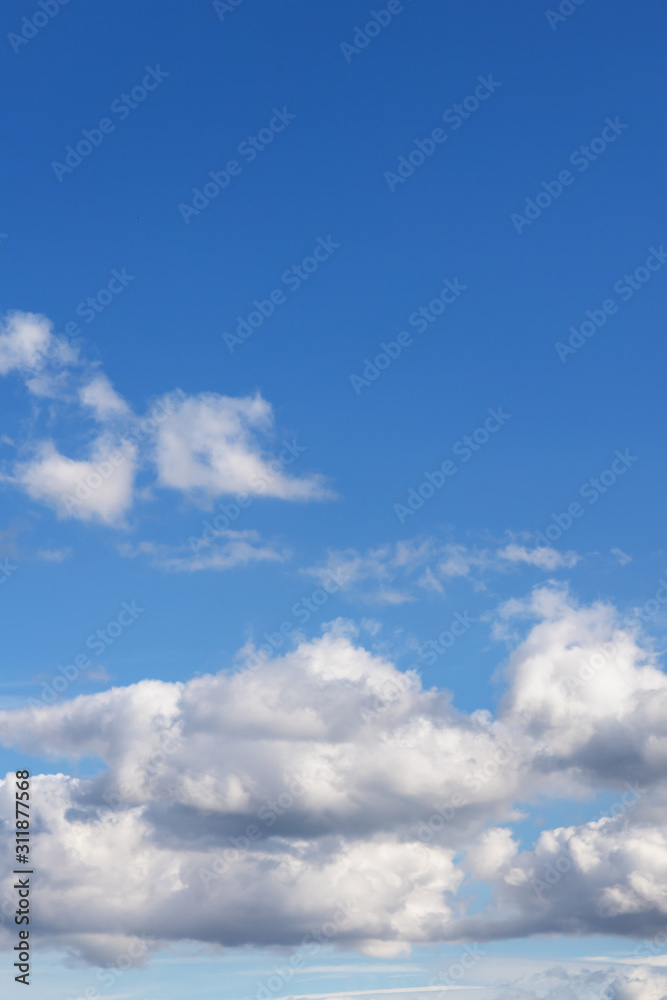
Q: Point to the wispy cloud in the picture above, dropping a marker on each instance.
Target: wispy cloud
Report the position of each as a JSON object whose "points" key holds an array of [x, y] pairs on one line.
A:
{"points": [[230, 549], [394, 573]]}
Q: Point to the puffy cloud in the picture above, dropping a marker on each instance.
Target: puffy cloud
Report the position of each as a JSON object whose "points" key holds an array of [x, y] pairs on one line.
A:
{"points": [[108, 878], [593, 699], [99, 488], [210, 447], [27, 344], [600, 877], [102, 398], [329, 714], [247, 807]]}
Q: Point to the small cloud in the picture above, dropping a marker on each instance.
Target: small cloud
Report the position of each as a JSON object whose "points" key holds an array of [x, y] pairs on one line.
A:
{"points": [[544, 557], [210, 447], [622, 556], [370, 625], [230, 549], [98, 674], [27, 344], [102, 398], [54, 555], [95, 489]]}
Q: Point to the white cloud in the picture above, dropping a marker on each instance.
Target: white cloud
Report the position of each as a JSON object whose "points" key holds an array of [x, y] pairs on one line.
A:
{"points": [[54, 555], [559, 983], [231, 549], [343, 781], [210, 447], [102, 398], [622, 556], [544, 558], [27, 342], [99, 488], [388, 574]]}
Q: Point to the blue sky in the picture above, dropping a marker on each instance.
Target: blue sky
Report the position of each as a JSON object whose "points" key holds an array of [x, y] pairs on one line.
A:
{"points": [[313, 212]]}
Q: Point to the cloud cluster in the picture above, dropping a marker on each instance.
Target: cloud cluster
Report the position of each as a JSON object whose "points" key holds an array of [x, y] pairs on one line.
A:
{"points": [[247, 807], [205, 446]]}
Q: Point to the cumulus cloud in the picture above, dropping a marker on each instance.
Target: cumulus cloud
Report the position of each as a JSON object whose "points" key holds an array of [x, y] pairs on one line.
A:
{"points": [[27, 344], [98, 488], [102, 398], [211, 447], [250, 806], [596, 878], [595, 700]]}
